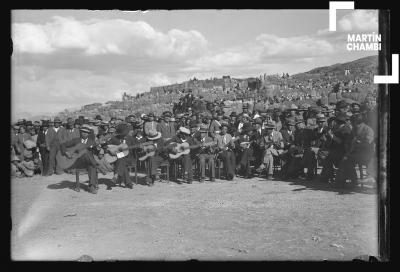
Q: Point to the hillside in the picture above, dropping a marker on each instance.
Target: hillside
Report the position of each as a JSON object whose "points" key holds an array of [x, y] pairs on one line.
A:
{"points": [[358, 68]]}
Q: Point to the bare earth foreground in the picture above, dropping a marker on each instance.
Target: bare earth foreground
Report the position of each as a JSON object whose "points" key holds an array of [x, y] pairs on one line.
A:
{"points": [[242, 219]]}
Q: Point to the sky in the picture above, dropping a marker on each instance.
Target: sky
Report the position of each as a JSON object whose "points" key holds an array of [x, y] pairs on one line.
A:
{"points": [[64, 59]]}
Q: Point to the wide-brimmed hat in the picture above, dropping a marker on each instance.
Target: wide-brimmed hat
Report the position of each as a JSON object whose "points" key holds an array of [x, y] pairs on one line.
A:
{"points": [[269, 125], [167, 114], [203, 128], [85, 128], [104, 123], [290, 122], [150, 114], [28, 123], [29, 144], [303, 107], [112, 130], [292, 107], [57, 120], [153, 135], [98, 117], [184, 130]]}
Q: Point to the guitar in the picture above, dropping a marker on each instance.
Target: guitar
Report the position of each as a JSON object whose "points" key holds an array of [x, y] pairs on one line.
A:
{"points": [[184, 148], [120, 151], [149, 151], [76, 152]]}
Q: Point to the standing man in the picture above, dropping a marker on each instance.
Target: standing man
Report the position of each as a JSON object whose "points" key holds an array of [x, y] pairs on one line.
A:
{"points": [[41, 144], [71, 131], [166, 127], [54, 137]]}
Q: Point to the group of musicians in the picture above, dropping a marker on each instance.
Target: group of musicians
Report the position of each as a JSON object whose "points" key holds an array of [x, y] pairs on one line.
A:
{"points": [[338, 138]]}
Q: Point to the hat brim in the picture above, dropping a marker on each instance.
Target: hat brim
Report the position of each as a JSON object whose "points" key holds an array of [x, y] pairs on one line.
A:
{"points": [[158, 136]]}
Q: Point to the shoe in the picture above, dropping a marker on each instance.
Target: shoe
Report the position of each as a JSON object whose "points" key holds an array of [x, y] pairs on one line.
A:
{"points": [[202, 180], [114, 180], [129, 185], [189, 181], [92, 190], [212, 179], [76, 189], [269, 177]]}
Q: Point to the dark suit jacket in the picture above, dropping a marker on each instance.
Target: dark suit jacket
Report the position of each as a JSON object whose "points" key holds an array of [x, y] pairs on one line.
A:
{"points": [[54, 138], [167, 130], [41, 140], [287, 139]]}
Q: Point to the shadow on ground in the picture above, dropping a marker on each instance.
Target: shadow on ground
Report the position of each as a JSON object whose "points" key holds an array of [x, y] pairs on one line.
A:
{"points": [[321, 186]]}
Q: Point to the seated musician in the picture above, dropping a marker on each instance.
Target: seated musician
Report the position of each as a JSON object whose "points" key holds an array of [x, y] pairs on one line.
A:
{"points": [[320, 144], [225, 145], [244, 149], [155, 140], [301, 145], [86, 160], [183, 136], [363, 144], [273, 146], [288, 142], [121, 172], [258, 143], [205, 154]]}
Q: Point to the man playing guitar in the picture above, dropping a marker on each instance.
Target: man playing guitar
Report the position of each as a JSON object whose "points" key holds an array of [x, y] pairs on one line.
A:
{"points": [[86, 160], [183, 136], [158, 155], [121, 172], [225, 145], [205, 154]]}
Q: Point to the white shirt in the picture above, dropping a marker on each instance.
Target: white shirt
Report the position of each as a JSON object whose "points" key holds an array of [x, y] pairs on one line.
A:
{"points": [[84, 141], [56, 129]]}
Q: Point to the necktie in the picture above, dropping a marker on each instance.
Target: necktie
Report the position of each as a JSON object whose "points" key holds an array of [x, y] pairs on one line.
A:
{"points": [[224, 139]]}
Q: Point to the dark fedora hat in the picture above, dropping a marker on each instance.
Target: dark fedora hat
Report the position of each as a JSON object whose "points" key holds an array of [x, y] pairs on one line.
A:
{"points": [[341, 104], [57, 120], [122, 129]]}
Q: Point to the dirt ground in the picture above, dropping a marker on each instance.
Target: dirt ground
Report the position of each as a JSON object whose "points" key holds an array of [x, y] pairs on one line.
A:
{"points": [[253, 219]]}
